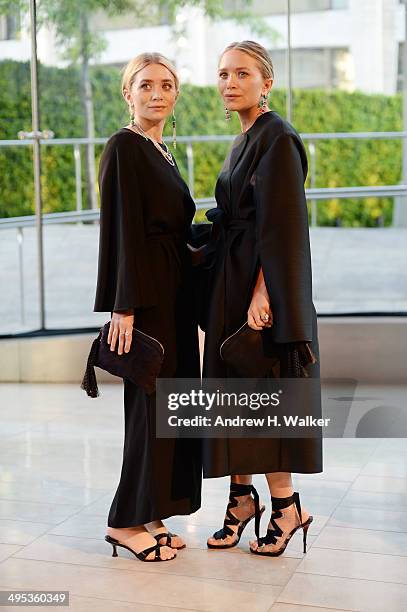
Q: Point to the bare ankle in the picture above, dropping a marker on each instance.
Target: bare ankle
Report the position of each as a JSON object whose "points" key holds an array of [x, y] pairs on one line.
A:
{"points": [[242, 499], [127, 530], [154, 525]]}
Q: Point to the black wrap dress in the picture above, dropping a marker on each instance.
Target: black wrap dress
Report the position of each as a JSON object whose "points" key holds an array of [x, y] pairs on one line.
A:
{"points": [[261, 219], [144, 264]]}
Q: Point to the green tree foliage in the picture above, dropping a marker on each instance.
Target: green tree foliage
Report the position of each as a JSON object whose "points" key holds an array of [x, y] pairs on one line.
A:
{"points": [[199, 112], [71, 23]]}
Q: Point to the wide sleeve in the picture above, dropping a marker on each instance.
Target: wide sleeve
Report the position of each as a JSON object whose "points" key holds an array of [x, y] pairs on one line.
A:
{"points": [[282, 237], [124, 280]]}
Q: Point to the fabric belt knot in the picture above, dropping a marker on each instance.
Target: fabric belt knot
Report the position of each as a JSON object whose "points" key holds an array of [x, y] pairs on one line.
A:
{"points": [[223, 226], [224, 222]]}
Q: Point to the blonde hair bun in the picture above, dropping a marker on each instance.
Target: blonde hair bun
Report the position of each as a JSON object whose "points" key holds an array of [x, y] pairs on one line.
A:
{"points": [[258, 52]]}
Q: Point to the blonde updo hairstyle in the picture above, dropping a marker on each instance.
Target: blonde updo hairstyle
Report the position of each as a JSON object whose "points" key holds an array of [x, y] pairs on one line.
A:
{"points": [[258, 52], [141, 61]]}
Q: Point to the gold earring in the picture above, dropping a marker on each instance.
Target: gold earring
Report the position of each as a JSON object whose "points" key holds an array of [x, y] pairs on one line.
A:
{"points": [[227, 114], [174, 131]]}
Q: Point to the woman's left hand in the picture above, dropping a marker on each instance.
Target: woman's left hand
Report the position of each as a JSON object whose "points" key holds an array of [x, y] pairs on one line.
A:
{"points": [[197, 255], [259, 314]]}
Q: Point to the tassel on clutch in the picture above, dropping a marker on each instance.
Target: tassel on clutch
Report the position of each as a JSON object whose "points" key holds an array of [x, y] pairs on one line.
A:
{"points": [[89, 382], [141, 365], [298, 355]]}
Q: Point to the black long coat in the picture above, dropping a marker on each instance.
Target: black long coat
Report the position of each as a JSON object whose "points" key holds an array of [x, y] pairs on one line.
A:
{"points": [[144, 263], [261, 219]]}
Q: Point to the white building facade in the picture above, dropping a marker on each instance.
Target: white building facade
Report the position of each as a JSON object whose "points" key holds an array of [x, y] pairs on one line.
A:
{"points": [[345, 44]]}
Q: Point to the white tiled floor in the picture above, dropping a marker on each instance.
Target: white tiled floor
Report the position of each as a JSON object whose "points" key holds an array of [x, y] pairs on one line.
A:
{"points": [[60, 459]]}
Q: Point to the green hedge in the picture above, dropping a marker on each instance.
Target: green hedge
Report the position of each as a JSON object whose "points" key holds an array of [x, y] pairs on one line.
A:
{"points": [[199, 111]]}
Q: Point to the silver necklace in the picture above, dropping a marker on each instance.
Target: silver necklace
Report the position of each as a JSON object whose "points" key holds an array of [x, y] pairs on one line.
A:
{"points": [[165, 152]]}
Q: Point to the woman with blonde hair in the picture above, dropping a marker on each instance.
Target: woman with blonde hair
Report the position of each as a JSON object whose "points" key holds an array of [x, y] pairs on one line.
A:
{"points": [[261, 274], [144, 278]]}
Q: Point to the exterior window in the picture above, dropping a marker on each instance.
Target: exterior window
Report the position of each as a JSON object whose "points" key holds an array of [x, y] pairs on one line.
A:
{"points": [[154, 16], [264, 7], [400, 78], [314, 68], [9, 27]]}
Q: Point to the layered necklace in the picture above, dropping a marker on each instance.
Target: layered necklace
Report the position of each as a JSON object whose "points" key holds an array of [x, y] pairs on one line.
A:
{"points": [[165, 152]]}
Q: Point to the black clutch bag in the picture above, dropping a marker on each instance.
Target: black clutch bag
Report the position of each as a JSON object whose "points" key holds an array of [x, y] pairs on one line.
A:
{"points": [[141, 365], [253, 354]]}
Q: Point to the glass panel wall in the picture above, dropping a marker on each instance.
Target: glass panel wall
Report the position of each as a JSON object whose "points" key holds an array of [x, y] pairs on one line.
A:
{"points": [[343, 81], [350, 85], [19, 303]]}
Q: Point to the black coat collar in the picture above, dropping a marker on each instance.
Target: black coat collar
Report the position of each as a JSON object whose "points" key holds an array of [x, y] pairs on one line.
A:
{"points": [[240, 144]]}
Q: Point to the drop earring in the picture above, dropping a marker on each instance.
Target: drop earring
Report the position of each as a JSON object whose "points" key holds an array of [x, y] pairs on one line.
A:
{"points": [[263, 103], [174, 131], [132, 121], [227, 114]]}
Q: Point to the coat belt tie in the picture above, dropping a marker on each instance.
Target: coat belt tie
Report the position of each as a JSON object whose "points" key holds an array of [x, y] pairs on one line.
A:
{"points": [[223, 225]]}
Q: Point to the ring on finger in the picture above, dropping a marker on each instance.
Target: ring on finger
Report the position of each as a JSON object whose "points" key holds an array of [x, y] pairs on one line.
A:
{"points": [[264, 317]]}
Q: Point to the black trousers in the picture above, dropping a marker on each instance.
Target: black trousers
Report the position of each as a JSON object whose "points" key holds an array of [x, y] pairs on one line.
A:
{"points": [[160, 477]]}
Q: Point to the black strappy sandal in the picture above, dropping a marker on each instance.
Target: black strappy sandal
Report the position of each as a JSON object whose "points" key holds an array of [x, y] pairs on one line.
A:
{"points": [[278, 503], [238, 490], [142, 555], [168, 535]]}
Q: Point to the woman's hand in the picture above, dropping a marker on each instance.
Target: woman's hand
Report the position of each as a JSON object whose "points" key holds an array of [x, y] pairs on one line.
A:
{"points": [[197, 255], [121, 329], [259, 314]]}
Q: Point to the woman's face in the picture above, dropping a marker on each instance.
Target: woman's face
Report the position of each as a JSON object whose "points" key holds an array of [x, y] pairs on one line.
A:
{"points": [[240, 81], [153, 93]]}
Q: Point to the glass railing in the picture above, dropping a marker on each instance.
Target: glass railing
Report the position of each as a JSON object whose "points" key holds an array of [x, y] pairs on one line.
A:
{"points": [[355, 269]]}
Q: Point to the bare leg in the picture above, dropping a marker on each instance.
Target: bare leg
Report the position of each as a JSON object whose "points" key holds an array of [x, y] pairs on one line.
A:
{"points": [[156, 527], [138, 538], [280, 485], [242, 478]]}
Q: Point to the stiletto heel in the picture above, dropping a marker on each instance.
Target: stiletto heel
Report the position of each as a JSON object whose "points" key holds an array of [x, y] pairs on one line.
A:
{"points": [[114, 553], [238, 490], [142, 555], [304, 536], [278, 503]]}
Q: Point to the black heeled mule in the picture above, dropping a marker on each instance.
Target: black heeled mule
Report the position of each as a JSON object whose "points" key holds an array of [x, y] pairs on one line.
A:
{"points": [[168, 535], [142, 555]]}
